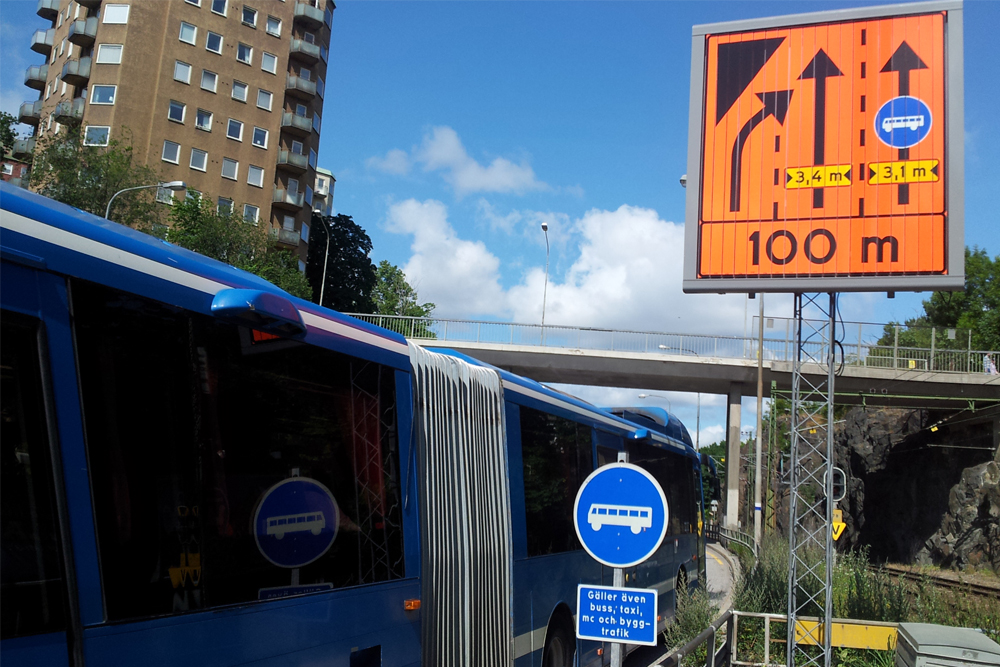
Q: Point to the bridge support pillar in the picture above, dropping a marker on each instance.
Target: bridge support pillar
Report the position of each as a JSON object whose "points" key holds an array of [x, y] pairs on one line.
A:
{"points": [[733, 420]]}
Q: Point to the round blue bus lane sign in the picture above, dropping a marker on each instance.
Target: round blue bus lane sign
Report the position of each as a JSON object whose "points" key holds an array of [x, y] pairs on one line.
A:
{"points": [[296, 522], [620, 515]]}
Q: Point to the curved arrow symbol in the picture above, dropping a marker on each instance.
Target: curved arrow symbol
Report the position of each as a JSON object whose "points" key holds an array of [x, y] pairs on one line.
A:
{"points": [[775, 104]]}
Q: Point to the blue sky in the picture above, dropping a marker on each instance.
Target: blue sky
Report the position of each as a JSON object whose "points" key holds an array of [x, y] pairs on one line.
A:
{"points": [[456, 128]]}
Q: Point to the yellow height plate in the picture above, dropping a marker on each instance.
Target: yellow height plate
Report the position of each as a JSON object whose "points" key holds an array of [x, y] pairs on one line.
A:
{"points": [[864, 634], [823, 176], [906, 171]]}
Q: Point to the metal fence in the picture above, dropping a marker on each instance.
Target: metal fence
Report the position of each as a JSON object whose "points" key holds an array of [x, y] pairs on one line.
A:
{"points": [[778, 344]]}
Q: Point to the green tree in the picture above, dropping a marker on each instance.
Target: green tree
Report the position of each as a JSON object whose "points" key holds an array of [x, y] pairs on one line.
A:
{"points": [[977, 309], [197, 225], [7, 134], [87, 177], [393, 295], [350, 274]]}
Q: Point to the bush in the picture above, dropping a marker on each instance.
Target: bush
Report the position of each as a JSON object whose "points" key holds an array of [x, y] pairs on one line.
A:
{"points": [[695, 612]]}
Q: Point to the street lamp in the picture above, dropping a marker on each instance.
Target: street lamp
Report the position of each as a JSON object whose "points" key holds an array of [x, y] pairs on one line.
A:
{"points": [[545, 289], [326, 257], [176, 186], [669, 407]]}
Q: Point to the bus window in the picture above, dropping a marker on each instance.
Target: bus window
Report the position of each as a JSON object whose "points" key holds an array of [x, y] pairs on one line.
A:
{"points": [[557, 455], [183, 409], [673, 471], [32, 592]]}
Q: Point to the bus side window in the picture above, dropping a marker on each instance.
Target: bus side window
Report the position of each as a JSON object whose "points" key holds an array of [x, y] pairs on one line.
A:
{"points": [[557, 455], [32, 589]]}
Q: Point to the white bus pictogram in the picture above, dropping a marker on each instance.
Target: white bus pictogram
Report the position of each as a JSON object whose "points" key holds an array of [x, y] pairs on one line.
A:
{"points": [[909, 122], [636, 518], [313, 522]]}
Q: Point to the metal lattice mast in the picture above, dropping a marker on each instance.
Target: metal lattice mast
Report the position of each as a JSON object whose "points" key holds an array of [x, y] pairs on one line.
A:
{"points": [[810, 557]]}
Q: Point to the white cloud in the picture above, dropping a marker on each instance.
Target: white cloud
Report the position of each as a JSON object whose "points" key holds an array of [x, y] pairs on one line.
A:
{"points": [[461, 277], [442, 151], [395, 162], [528, 223]]}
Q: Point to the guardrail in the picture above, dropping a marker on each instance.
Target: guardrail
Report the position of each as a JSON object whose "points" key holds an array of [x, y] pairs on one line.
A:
{"points": [[856, 353], [724, 536]]}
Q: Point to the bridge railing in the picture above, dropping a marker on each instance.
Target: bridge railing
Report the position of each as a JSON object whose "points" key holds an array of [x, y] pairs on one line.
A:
{"points": [[853, 353]]}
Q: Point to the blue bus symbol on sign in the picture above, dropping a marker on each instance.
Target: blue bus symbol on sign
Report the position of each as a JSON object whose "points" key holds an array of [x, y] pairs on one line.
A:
{"points": [[295, 522], [620, 515], [903, 122]]}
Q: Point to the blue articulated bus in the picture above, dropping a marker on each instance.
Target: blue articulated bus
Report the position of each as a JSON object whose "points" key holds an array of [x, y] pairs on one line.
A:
{"points": [[199, 469]]}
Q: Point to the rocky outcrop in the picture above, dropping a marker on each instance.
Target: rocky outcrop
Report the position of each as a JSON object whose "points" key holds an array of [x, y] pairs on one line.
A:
{"points": [[970, 532]]}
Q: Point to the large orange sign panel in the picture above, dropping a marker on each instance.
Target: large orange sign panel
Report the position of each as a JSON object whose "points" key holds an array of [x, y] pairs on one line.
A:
{"points": [[824, 150]]}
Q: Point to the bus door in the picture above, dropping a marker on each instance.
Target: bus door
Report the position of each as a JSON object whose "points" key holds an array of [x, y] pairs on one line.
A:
{"points": [[35, 609]]}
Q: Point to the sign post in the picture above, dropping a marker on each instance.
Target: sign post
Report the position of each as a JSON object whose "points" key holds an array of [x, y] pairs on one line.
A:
{"points": [[825, 155], [620, 516]]}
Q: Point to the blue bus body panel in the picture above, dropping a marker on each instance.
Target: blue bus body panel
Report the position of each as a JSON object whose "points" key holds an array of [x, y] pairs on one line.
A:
{"points": [[309, 630], [48, 650], [77, 244]]}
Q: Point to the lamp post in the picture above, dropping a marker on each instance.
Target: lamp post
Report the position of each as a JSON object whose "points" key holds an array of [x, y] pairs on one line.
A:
{"points": [[326, 258], [669, 406], [176, 186], [545, 289]]}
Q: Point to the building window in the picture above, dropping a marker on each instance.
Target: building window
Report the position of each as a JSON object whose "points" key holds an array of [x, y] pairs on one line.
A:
{"points": [[63, 88], [203, 120], [304, 234], [244, 53], [249, 16], [305, 74], [176, 111], [182, 72], [209, 80], [317, 121], [8, 169], [235, 130], [255, 176], [300, 110], [193, 194], [309, 195], [199, 159], [240, 91], [259, 137], [171, 152], [312, 158], [165, 196], [288, 222], [219, 6], [264, 99], [96, 135], [62, 48], [269, 62], [225, 206], [273, 26], [109, 54], [251, 213], [309, 37], [320, 87], [196, 3], [230, 168], [297, 147], [188, 33], [103, 94], [213, 42], [116, 14]]}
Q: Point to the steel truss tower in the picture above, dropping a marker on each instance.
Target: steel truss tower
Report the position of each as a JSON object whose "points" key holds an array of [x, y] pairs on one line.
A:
{"points": [[810, 557]]}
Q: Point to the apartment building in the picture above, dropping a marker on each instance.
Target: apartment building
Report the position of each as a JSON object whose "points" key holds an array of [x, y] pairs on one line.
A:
{"points": [[225, 95]]}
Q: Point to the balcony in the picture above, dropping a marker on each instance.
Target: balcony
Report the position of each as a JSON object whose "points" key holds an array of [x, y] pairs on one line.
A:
{"points": [[69, 112], [299, 87], [293, 162], [23, 148], [90, 4], [41, 41], [77, 72], [83, 32], [291, 201], [304, 51], [295, 124], [308, 16], [285, 236], [36, 76], [48, 9], [30, 113]]}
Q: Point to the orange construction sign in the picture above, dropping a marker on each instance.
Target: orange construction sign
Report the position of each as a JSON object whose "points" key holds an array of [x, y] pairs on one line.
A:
{"points": [[824, 150]]}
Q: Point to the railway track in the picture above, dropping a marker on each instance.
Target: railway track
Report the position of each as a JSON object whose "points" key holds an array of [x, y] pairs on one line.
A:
{"points": [[944, 581]]}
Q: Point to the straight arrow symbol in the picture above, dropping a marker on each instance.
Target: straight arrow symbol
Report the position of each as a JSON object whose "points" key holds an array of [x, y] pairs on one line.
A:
{"points": [[903, 60], [819, 68], [775, 104]]}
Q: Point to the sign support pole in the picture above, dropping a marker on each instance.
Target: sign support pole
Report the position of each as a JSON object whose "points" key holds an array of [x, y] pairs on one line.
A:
{"points": [[619, 582], [810, 583]]}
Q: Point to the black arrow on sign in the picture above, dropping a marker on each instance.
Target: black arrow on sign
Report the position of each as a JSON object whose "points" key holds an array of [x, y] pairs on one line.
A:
{"points": [[904, 60], [775, 104], [819, 68]]}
